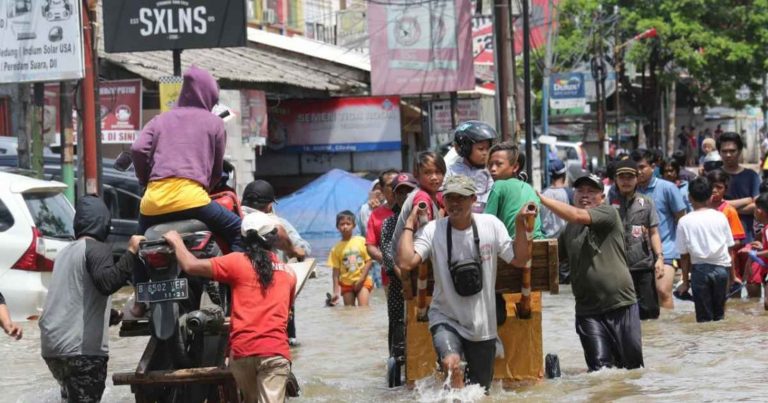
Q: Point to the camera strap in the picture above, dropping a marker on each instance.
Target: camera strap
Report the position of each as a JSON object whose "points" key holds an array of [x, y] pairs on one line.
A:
{"points": [[449, 237]]}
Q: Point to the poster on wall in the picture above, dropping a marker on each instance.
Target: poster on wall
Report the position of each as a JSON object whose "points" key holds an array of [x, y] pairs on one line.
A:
{"points": [[335, 125], [120, 107], [40, 40], [420, 48], [440, 124], [253, 118], [170, 88]]}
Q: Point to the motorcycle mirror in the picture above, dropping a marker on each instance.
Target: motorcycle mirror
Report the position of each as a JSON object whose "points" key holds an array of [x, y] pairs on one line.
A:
{"points": [[123, 162], [223, 112]]}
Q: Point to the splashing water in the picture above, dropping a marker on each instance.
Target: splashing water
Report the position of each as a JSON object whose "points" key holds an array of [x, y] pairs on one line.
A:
{"points": [[432, 390]]}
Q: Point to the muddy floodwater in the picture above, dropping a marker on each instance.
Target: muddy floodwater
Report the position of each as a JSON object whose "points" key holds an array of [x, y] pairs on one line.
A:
{"points": [[342, 356]]}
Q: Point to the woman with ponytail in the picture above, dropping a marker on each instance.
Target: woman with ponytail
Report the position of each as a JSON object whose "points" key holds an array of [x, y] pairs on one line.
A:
{"points": [[262, 294]]}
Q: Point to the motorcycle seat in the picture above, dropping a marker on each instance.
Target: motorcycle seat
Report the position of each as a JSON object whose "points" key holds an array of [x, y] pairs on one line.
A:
{"points": [[156, 232]]}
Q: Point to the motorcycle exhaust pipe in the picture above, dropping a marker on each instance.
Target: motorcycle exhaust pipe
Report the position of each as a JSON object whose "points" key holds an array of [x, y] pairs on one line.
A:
{"points": [[206, 319]]}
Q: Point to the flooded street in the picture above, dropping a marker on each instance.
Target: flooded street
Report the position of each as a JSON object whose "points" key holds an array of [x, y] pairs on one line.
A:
{"points": [[342, 356]]}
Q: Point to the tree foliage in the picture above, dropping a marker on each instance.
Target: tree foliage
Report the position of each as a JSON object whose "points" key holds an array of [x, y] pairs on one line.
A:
{"points": [[714, 47]]}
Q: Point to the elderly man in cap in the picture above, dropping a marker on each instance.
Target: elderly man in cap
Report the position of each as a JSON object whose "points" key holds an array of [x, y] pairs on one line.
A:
{"points": [[462, 315], [641, 237], [607, 317], [259, 195]]}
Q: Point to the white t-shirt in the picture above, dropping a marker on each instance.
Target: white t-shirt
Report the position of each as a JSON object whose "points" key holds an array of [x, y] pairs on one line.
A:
{"points": [[480, 176], [706, 236], [474, 317]]}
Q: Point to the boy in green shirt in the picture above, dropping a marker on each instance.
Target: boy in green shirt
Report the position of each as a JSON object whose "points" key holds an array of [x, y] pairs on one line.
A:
{"points": [[509, 194]]}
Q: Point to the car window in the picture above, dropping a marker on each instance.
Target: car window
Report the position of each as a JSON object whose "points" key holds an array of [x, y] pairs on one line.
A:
{"points": [[128, 204], [52, 214], [6, 218], [571, 154]]}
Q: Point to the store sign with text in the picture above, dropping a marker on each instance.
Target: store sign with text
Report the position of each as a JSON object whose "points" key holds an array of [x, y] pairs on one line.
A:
{"points": [[335, 125], [143, 25], [40, 40]]}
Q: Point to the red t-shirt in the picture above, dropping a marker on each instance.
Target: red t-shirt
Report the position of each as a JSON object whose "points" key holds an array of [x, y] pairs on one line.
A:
{"points": [[259, 320], [373, 231]]}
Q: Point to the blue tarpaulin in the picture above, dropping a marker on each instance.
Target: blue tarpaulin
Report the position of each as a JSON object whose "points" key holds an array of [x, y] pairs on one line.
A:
{"points": [[313, 208]]}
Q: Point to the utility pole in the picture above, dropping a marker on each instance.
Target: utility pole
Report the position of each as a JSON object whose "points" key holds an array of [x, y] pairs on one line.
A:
{"points": [[66, 140], [37, 129], [598, 72], [501, 29], [28, 121], [617, 69], [527, 95], [88, 94], [545, 96]]}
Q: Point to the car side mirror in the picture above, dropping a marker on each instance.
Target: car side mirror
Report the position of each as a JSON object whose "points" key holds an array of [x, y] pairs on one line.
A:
{"points": [[123, 162]]}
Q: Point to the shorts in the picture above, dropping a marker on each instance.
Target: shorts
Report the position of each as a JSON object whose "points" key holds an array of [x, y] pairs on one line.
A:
{"points": [[351, 288], [757, 274], [479, 355], [81, 377], [261, 379]]}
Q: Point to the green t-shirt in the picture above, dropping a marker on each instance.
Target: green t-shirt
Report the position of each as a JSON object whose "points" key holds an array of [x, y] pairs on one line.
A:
{"points": [[596, 256], [507, 197]]}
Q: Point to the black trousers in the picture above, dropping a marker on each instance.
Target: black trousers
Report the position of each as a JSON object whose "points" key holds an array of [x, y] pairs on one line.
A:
{"points": [[396, 313], [647, 296], [611, 339]]}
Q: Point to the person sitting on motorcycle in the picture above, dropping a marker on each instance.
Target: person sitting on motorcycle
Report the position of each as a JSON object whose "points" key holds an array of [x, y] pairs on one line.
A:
{"points": [[263, 292], [179, 158]]}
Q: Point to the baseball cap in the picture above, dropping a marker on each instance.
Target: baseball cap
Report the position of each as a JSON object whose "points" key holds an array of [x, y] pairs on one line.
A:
{"points": [[404, 179], [459, 184], [259, 191], [626, 167], [591, 179], [556, 167], [257, 221]]}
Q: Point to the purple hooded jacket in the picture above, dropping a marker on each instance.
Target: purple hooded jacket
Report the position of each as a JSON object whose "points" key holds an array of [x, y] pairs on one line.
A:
{"points": [[187, 141]]}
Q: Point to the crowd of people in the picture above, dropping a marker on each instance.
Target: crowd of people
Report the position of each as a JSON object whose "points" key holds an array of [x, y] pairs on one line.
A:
{"points": [[625, 239]]}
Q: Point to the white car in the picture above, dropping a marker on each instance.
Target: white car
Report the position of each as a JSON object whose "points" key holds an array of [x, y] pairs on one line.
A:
{"points": [[35, 224]]}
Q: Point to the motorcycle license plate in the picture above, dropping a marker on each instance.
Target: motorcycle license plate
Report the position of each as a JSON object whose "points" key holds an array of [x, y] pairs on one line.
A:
{"points": [[166, 290]]}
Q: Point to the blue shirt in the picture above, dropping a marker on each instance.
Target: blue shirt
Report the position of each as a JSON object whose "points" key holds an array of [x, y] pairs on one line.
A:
{"points": [[669, 201], [744, 184], [683, 186]]}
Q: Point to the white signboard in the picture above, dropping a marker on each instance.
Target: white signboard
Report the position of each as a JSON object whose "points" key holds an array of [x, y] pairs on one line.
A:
{"points": [[441, 129], [40, 40]]}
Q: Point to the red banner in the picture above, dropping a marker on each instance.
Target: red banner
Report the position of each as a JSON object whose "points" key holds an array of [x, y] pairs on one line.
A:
{"points": [[120, 111]]}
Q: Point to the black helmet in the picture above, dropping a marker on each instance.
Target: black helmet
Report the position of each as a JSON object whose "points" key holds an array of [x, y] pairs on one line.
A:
{"points": [[471, 132]]}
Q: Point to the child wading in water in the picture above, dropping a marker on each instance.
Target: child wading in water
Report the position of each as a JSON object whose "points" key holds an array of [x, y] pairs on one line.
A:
{"points": [[758, 255], [703, 239], [351, 264], [719, 180]]}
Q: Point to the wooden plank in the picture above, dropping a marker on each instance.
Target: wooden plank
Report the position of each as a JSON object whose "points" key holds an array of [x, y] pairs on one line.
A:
{"points": [[175, 377], [554, 269], [302, 270], [509, 278]]}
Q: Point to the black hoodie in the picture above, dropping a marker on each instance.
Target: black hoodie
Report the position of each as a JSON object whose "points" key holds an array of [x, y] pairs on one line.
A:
{"points": [[76, 314]]}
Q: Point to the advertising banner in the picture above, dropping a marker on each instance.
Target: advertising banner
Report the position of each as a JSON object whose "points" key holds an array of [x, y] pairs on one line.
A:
{"points": [[440, 127], [142, 25], [566, 91], [120, 103], [40, 40], [170, 87], [421, 47], [335, 125], [253, 118]]}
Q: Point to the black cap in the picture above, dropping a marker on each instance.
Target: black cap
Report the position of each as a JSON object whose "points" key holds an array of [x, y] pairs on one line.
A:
{"points": [[627, 166], [259, 191], [591, 179]]}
